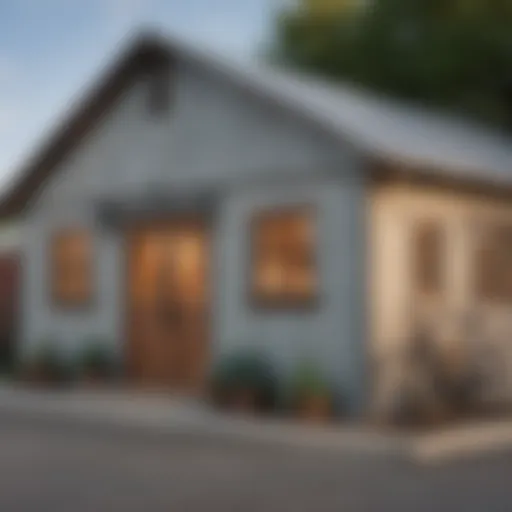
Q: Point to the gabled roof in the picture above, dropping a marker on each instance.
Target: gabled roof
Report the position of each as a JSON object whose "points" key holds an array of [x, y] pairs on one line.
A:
{"points": [[398, 131], [373, 124], [146, 56]]}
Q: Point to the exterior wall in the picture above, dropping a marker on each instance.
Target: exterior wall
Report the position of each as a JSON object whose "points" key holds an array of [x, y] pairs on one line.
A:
{"points": [[215, 134], [332, 331], [9, 237], [221, 140], [40, 319], [394, 209], [9, 290]]}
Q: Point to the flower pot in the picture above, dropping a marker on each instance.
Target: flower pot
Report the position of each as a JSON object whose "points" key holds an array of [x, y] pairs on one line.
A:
{"points": [[315, 409], [244, 400], [41, 379], [92, 381]]}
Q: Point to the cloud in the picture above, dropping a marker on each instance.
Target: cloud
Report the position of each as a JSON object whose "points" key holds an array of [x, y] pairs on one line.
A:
{"points": [[124, 9], [7, 118], [231, 27], [9, 95], [124, 14], [8, 72]]}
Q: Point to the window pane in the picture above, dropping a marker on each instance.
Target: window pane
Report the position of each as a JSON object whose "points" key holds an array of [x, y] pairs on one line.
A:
{"points": [[71, 267], [493, 263], [283, 250], [428, 257]]}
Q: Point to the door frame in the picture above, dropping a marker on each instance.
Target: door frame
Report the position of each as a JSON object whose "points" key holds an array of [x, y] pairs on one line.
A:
{"points": [[128, 232]]}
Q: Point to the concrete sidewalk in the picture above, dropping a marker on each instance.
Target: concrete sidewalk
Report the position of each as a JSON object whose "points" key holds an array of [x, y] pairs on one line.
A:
{"points": [[161, 414], [152, 414]]}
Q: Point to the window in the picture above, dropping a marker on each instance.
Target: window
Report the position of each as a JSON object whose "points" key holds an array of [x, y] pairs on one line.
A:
{"points": [[71, 268], [428, 257], [494, 263], [284, 271]]}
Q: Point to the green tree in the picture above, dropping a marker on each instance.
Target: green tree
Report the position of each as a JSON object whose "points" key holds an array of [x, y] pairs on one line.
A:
{"points": [[454, 53]]}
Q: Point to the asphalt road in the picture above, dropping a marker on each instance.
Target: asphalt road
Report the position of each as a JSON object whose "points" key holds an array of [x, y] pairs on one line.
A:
{"points": [[45, 468]]}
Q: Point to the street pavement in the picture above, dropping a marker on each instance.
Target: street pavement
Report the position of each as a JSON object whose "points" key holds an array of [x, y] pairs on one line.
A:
{"points": [[46, 467]]}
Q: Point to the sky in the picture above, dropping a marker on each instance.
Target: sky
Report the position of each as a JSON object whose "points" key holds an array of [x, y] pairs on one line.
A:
{"points": [[51, 49]]}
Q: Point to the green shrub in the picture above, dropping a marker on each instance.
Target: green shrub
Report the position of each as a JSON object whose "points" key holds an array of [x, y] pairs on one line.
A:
{"points": [[97, 360], [246, 372], [308, 381], [48, 364], [7, 356]]}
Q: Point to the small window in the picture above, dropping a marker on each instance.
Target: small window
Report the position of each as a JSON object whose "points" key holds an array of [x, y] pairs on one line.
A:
{"points": [[494, 263], [284, 269], [428, 257], [71, 268]]}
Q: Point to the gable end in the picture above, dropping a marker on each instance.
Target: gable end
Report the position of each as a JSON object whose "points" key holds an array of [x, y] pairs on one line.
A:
{"points": [[147, 58]]}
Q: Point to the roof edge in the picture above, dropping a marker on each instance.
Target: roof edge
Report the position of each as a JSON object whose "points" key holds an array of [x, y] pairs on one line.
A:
{"points": [[146, 54]]}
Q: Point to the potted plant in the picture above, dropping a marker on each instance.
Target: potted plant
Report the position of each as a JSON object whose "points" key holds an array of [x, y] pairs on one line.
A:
{"points": [[245, 381], [97, 363], [311, 394], [6, 357]]}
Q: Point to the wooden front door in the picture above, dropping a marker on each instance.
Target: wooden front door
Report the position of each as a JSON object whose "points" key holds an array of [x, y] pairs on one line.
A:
{"points": [[168, 299]]}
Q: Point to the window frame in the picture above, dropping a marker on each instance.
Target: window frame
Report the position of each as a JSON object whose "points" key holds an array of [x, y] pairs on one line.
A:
{"points": [[486, 288], [282, 302], [57, 299], [429, 282]]}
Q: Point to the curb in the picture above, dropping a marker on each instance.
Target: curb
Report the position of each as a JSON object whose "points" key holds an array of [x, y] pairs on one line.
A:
{"points": [[463, 442], [73, 411], [152, 417]]}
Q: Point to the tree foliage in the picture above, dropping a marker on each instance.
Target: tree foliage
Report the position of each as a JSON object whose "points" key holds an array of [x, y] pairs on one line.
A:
{"points": [[454, 53]]}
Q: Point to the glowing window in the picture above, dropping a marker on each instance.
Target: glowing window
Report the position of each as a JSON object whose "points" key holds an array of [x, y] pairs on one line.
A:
{"points": [[494, 263], [72, 268], [428, 257], [284, 267]]}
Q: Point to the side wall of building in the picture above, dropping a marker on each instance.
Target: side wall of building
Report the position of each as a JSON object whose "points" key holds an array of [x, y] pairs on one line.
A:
{"points": [[396, 211], [9, 236]]}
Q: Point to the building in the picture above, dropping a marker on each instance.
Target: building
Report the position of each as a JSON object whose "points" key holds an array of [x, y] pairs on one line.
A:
{"points": [[189, 207]]}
